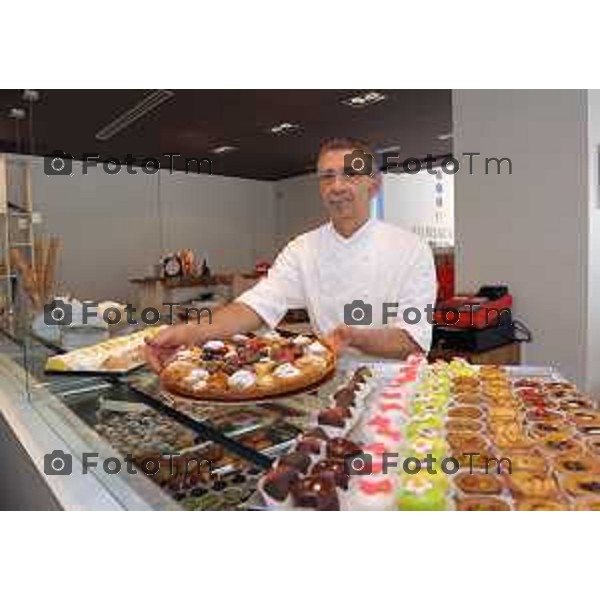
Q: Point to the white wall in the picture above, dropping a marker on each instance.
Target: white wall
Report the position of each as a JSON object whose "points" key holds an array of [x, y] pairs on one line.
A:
{"points": [[111, 229], [298, 206], [528, 229], [593, 309]]}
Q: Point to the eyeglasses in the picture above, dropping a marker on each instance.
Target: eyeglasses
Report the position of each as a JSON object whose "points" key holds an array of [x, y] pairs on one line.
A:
{"points": [[329, 176]]}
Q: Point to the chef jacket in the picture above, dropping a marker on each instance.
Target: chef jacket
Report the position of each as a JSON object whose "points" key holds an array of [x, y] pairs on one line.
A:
{"points": [[330, 276]]}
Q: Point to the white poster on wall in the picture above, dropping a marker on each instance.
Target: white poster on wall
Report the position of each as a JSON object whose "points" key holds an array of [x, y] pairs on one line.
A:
{"points": [[422, 203]]}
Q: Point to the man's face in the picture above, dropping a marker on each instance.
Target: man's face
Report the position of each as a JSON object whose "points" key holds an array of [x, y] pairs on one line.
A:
{"points": [[346, 197]]}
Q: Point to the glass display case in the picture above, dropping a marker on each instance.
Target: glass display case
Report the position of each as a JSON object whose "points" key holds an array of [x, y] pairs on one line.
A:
{"points": [[131, 445]]}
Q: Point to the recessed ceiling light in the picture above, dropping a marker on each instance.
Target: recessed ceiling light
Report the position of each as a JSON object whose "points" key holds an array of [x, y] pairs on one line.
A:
{"points": [[148, 103], [223, 149], [16, 113], [362, 100], [284, 128]]}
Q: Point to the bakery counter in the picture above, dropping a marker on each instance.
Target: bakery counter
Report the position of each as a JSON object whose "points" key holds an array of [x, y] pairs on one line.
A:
{"points": [[186, 454]]}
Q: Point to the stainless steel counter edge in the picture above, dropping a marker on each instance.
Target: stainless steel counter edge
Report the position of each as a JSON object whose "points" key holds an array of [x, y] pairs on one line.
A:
{"points": [[40, 423]]}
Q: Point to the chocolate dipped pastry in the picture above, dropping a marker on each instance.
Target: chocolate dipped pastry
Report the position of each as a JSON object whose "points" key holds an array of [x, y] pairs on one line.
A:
{"points": [[335, 469], [309, 445], [316, 432], [317, 492], [334, 417], [296, 460], [341, 448], [345, 397], [278, 481]]}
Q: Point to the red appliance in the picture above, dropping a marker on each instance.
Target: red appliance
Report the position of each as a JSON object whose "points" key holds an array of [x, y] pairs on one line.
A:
{"points": [[474, 312]]}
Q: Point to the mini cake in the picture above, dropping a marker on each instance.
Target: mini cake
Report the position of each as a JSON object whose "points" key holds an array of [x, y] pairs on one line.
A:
{"points": [[538, 485], [559, 444], [310, 445], [420, 447], [545, 415], [576, 463], [478, 483], [295, 460], [587, 484], [481, 503], [430, 427], [335, 469], [464, 412], [345, 398], [541, 504], [276, 484], [368, 494], [527, 461], [317, 492], [389, 435], [574, 404], [463, 425], [341, 448], [587, 504], [335, 419], [423, 491], [467, 398], [317, 432]]}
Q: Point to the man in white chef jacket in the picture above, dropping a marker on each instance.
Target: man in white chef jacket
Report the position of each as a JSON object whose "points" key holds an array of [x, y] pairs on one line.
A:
{"points": [[337, 272]]}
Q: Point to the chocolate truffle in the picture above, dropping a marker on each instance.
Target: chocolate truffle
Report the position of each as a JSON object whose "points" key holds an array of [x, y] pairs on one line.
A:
{"points": [[333, 468], [278, 481], [318, 433], [317, 492], [296, 460], [334, 417], [345, 397], [309, 445], [341, 448]]}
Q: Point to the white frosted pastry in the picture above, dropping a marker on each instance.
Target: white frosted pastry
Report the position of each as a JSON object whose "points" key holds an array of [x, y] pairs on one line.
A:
{"points": [[301, 340], [286, 370], [214, 345], [240, 337], [196, 375], [242, 379], [271, 335], [316, 348]]}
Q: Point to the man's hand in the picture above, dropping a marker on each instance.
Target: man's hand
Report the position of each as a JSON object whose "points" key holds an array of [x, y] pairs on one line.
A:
{"points": [[169, 340], [340, 338], [233, 318]]}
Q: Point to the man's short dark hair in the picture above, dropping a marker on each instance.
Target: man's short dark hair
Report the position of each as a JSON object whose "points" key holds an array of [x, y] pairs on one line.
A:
{"points": [[345, 143]]}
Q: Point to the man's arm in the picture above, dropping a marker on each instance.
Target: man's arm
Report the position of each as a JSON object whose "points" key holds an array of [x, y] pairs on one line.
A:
{"points": [[226, 321], [264, 304], [386, 342]]}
